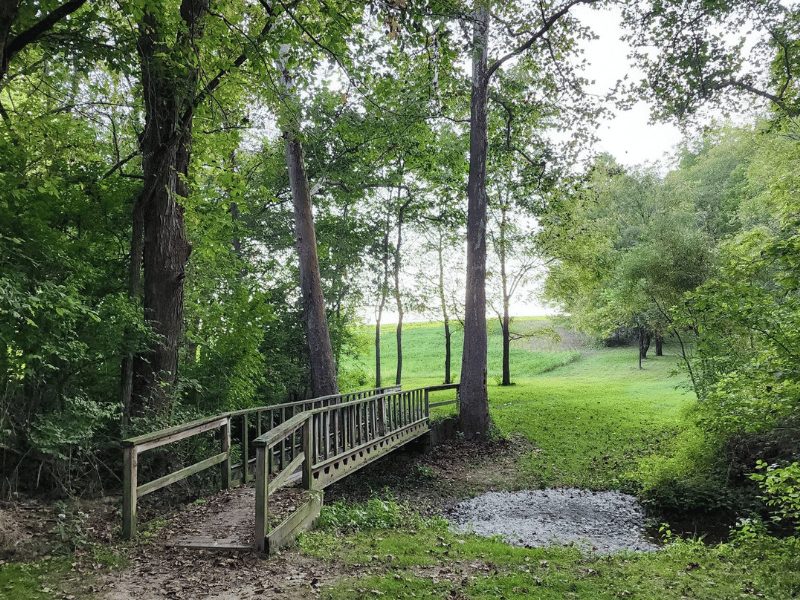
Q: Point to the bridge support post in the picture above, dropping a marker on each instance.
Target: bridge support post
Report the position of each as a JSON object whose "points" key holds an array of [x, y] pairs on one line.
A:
{"points": [[130, 482], [308, 451], [262, 495], [225, 446]]}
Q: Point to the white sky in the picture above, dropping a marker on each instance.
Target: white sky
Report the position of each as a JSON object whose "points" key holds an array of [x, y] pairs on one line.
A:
{"points": [[629, 137]]}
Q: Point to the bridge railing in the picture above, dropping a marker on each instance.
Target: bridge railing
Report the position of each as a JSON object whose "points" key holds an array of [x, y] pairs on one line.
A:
{"points": [[332, 442], [234, 431]]}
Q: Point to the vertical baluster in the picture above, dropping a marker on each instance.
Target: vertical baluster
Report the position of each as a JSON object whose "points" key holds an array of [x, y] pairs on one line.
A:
{"points": [[283, 441], [374, 405], [338, 423], [245, 450]]}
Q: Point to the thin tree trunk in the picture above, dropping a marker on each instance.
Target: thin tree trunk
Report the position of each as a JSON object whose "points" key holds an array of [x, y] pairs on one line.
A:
{"points": [[135, 292], [506, 322], [398, 299], [384, 286], [644, 344], [474, 396], [323, 364], [659, 345], [378, 347]]}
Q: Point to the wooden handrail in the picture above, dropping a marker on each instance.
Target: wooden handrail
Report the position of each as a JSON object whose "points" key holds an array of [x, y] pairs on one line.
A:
{"points": [[134, 446]]}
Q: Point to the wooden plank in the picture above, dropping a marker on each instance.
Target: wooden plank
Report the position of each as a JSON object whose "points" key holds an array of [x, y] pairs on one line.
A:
{"points": [[284, 475], [225, 448], [308, 451], [445, 403], [130, 475], [278, 433], [174, 434], [245, 447], [302, 519], [262, 495], [282, 460], [444, 386], [157, 484], [225, 544]]}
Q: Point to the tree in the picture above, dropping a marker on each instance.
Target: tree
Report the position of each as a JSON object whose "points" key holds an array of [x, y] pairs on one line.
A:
{"points": [[323, 363], [626, 247], [540, 31], [693, 54], [169, 96]]}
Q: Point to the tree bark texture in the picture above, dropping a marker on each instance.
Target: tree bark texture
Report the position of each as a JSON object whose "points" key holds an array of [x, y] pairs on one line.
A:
{"points": [[445, 315], [474, 396], [398, 378], [506, 320], [315, 321], [134, 291], [166, 150], [384, 285], [8, 12]]}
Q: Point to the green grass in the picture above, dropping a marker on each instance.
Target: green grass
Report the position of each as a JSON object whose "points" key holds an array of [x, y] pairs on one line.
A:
{"points": [[592, 423], [424, 353], [423, 559], [591, 418], [33, 581]]}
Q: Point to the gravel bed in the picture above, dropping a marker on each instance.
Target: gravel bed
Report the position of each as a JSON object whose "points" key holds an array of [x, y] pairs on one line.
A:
{"points": [[600, 522]]}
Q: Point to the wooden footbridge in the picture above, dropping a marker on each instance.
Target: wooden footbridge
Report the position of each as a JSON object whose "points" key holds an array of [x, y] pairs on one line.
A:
{"points": [[314, 442]]}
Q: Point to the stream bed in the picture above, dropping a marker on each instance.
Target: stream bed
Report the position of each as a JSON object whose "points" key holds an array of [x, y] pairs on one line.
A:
{"points": [[600, 522]]}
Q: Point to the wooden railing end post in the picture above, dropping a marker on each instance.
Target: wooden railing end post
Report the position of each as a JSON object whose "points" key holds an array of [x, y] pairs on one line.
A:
{"points": [[130, 483]]}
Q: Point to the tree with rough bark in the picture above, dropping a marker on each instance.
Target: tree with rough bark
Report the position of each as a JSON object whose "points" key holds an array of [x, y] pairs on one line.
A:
{"points": [[549, 32]]}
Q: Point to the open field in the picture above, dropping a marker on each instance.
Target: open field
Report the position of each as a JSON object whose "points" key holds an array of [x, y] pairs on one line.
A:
{"points": [[589, 413]]}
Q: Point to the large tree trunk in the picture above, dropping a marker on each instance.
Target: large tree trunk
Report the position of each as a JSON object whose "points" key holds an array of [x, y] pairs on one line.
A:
{"points": [[445, 315], [474, 396], [169, 92], [315, 321]]}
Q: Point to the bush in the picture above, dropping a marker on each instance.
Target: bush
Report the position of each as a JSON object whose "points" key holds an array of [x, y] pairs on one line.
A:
{"points": [[781, 486]]}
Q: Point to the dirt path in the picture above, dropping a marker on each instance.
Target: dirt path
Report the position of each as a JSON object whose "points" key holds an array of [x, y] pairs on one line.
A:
{"points": [[158, 569]]}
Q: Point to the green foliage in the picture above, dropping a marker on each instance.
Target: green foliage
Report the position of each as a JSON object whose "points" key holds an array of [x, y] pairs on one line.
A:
{"points": [[781, 487], [69, 528], [373, 514], [34, 580]]}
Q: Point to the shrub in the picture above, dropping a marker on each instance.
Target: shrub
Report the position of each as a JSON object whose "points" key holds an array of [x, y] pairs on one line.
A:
{"points": [[781, 486]]}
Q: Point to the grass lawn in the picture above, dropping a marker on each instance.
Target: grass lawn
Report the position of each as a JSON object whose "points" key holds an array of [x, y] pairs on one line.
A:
{"points": [[590, 417], [590, 413]]}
